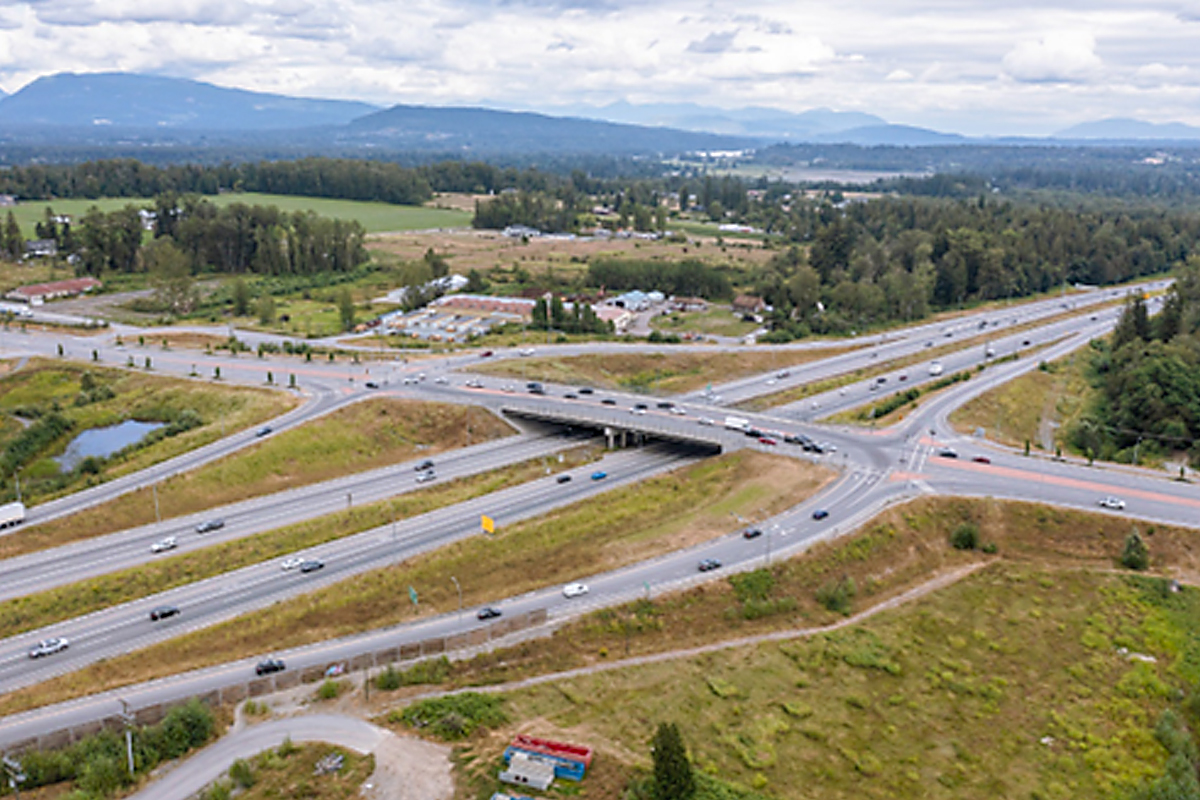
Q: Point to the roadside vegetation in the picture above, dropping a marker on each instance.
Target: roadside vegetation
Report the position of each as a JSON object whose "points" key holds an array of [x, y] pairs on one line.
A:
{"points": [[367, 435], [657, 373], [33, 611], [624, 526], [46, 404], [291, 771]]}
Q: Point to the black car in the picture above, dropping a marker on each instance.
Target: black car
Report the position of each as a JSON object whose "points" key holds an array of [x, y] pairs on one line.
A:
{"points": [[640, 406], [752, 533], [163, 612], [269, 665], [312, 565], [210, 525], [608, 401], [263, 431], [371, 385], [423, 466], [488, 613], [820, 513], [666, 404], [564, 478], [587, 390], [947, 453], [709, 564], [754, 432], [570, 396]]}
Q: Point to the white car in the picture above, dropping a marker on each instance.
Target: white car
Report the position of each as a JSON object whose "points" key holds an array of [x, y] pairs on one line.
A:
{"points": [[575, 590], [706, 421], [528, 351], [1113, 502], [426, 476], [677, 411], [440, 379], [169, 543], [48, 647], [291, 563]]}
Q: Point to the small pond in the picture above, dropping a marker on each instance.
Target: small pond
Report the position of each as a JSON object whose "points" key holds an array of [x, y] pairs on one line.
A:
{"points": [[103, 442]]}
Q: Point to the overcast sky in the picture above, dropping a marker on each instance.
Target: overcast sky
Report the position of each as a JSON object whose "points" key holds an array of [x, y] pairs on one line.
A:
{"points": [[1001, 66]]}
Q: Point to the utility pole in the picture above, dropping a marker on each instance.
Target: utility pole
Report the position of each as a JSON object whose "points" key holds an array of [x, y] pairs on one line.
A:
{"points": [[459, 588], [16, 775], [128, 719]]}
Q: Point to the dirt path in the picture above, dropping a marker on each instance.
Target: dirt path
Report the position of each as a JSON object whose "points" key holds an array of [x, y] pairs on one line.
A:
{"points": [[932, 585]]}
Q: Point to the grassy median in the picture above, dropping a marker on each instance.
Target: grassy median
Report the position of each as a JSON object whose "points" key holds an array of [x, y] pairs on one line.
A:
{"points": [[621, 527], [367, 435], [38, 610]]}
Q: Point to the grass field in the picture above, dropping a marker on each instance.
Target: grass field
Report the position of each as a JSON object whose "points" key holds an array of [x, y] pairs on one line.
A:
{"points": [[623, 526], [948, 697], [77, 599], [375, 217], [288, 772], [657, 373], [1022, 409], [43, 385], [363, 436], [716, 321]]}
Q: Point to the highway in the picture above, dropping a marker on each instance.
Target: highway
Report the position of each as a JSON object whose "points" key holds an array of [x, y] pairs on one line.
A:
{"points": [[878, 468]]}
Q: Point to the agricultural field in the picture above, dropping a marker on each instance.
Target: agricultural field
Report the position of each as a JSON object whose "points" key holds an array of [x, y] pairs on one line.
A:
{"points": [[374, 217], [657, 373], [363, 436], [624, 526], [44, 405]]}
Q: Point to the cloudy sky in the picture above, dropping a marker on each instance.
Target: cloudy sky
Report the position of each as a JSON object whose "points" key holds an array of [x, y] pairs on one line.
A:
{"points": [[972, 66]]}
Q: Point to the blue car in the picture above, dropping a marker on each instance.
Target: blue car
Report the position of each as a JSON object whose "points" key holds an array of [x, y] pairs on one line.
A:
{"points": [[599, 476]]}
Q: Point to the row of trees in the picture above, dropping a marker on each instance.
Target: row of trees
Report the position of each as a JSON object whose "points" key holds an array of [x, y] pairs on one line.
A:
{"points": [[1148, 379], [580, 319], [690, 277]]}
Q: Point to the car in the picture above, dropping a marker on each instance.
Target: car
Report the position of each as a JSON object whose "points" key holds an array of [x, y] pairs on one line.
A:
{"points": [[586, 390], [820, 513], [487, 613], [874, 387], [163, 545], [424, 466], [408, 380], [263, 431], [575, 590], [473, 383], [752, 533], [766, 440], [709, 564], [291, 563], [371, 385], [679, 412], [706, 421], [1025, 343], [981, 460], [440, 379], [535, 388], [826, 447], [426, 476], [783, 374], [526, 351], [599, 475], [210, 525], [636, 410], [269, 665], [929, 344], [608, 401], [312, 565], [641, 406], [902, 377], [570, 396], [754, 433], [163, 612], [1113, 503], [666, 404], [48, 647], [486, 354], [946, 452], [881, 379], [564, 478]]}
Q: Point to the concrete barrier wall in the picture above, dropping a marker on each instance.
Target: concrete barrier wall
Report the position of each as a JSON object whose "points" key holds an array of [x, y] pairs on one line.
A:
{"points": [[237, 692]]}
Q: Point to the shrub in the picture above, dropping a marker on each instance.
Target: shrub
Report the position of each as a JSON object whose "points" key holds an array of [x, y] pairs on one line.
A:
{"points": [[330, 690], [242, 774], [1135, 555], [388, 680], [836, 596], [965, 536], [454, 717]]}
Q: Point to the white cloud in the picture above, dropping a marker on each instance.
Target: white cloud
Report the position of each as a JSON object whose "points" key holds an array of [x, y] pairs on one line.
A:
{"points": [[899, 75], [1060, 56]]}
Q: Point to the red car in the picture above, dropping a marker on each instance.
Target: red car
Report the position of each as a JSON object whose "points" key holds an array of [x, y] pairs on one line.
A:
{"points": [[766, 440], [981, 460], [486, 354]]}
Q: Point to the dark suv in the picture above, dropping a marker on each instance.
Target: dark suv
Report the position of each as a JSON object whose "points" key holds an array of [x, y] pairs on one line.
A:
{"points": [[269, 665]]}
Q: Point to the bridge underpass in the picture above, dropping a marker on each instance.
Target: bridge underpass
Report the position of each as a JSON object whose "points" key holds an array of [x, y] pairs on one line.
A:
{"points": [[621, 430]]}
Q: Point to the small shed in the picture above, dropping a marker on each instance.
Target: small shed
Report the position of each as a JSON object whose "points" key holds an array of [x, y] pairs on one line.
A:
{"points": [[527, 769]]}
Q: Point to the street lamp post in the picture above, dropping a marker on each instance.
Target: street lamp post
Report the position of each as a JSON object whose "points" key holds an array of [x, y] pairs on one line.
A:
{"points": [[459, 589]]}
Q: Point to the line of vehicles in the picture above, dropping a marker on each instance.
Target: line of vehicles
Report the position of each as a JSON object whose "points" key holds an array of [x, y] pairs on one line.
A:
{"points": [[771, 437]]}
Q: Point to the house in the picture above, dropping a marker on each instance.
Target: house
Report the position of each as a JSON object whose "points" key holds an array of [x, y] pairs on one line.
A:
{"points": [[619, 317], [38, 293], [689, 304], [7, 200], [634, 301], [41, 248], [748, 304]]}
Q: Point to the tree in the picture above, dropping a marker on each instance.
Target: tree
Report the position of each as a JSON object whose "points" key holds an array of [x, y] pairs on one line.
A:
{"points": [[346, 309], [1135, 555], [266, 309], [170, 275], [241, 298], [14, 242], [673, 778]]}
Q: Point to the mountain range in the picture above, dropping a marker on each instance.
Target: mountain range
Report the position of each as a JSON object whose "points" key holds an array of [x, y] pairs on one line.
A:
{"points": [[104, 108]]}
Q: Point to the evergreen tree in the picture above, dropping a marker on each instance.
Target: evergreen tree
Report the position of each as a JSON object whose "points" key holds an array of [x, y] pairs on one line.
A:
{"points": [[14, 242], [346, 309], [673, 778]]}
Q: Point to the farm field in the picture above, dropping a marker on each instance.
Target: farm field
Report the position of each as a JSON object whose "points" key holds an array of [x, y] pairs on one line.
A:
{"points": [[375, 217]]}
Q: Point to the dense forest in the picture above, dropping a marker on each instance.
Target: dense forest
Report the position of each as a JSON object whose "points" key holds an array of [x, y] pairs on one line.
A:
{"points": [[1147, 378]]}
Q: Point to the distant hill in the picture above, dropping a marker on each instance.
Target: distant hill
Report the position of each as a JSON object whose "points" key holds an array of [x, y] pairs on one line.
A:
{"points": [[486, 130], [124, 100], [758, 122], [893, 135], [1116, 128]]}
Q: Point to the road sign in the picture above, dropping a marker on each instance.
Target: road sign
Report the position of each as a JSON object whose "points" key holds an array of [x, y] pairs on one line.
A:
{"points": [[412, 595], [487, 523]]}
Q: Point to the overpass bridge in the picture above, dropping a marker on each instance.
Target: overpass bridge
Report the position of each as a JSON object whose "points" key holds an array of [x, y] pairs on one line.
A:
{"points": [[622, 427]]}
